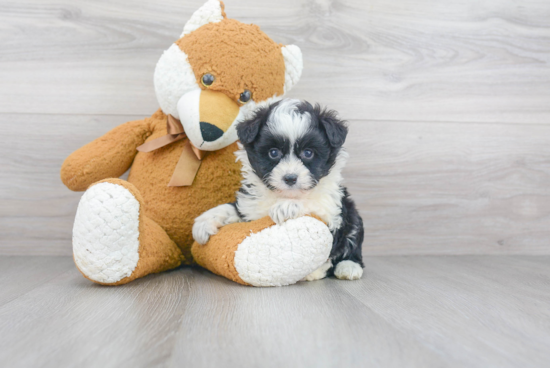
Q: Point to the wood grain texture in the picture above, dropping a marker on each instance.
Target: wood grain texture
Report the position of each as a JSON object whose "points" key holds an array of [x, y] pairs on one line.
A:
{"points": [[421, 59], [416, 311], [476, 311], [449, 107], [37, 211], [453, 188], [19, 275], [87, 325], [422, 188]]}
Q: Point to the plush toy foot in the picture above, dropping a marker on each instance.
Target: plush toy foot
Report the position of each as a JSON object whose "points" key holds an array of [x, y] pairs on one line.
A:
{"points": [[261, 253], [113, 241]]}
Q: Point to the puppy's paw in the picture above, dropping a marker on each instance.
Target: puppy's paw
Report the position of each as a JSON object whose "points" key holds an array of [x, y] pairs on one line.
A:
{"points": [[209, 222], [348, 270], [319, 273], [285, 210], [204, 229]]}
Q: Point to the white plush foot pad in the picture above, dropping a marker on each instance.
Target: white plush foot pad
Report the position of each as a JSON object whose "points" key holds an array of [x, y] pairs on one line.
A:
{"points": [[106, 233], [283, 254]]}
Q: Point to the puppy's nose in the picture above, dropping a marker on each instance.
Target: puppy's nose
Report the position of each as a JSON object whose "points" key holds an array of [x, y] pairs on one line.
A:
{"points": [[290, 179], [210, 132]]}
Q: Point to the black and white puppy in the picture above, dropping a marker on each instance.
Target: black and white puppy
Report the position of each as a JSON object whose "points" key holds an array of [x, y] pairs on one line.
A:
{"points": [[292, 159]]}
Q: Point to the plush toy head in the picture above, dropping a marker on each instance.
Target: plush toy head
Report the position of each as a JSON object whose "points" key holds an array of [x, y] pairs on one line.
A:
{"points": [[218, 72]]}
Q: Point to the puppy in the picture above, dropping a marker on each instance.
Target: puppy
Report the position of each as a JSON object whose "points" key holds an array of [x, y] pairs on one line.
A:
{"points": [[292, 159]]}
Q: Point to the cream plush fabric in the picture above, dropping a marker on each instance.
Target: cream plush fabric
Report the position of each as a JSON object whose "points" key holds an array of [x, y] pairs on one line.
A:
{"points": [[106, 233], [283, 254]]}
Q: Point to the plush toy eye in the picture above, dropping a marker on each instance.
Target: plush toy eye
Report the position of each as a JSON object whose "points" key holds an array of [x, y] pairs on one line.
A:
{"points": [[207, 79], [274, 153], [245, 96], [307, 154]]}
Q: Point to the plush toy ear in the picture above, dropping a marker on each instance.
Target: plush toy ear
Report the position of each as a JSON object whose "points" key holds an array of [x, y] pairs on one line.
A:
{"points": [[335, 128], [293, 65], [248, 129], [211, 12]]}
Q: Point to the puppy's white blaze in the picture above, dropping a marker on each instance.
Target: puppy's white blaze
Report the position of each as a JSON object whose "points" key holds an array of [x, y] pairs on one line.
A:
{"points": [[174, 77], [324, 200], [286, 121], [290, 164], [251, 106]]}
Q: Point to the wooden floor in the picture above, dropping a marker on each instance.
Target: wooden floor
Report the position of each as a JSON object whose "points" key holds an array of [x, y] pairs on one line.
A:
{"points": [[407, 311]]}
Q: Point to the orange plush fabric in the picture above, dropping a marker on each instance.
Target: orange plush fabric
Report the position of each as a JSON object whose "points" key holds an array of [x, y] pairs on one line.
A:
{"points": [[157, 251], [236, 54], [173, 208], [218, 254], [107, 157]]}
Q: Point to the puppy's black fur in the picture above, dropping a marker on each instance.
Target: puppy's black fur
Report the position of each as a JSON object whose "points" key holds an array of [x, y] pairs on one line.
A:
{"points": [[348, 239]]}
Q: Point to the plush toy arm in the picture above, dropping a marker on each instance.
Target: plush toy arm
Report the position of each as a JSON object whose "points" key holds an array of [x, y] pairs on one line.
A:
{"points": [[108, 156], [262, 253]]}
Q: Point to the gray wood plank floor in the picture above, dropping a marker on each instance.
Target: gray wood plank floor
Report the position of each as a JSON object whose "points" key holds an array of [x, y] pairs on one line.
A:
{"points": [[407, 311]]}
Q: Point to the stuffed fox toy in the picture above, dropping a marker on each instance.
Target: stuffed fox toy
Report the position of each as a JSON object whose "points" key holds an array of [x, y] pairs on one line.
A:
{"points": [[182, 164]]}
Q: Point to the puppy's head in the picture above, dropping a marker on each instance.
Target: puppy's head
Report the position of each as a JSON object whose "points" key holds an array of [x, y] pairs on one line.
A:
{"points": [[292, 145]]}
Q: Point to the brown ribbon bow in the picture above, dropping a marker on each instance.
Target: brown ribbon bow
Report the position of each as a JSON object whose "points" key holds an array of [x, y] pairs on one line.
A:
{"points": [[190, 159]]}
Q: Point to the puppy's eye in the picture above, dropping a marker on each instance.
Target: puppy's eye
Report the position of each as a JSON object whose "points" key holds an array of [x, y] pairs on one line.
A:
{"points": [[245, 96], [207, 79], [274, 153], [307, 154]]}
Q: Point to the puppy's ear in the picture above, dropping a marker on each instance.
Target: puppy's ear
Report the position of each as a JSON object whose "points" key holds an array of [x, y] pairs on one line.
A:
{"points": [[248, 129], [336, 129]]}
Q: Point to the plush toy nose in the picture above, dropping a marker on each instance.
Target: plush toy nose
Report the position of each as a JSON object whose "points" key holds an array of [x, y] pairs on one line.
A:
{"points": [[210, 132], [290, 179], [216, 110]]}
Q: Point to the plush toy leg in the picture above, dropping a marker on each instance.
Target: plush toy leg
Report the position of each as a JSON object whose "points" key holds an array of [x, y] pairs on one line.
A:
{"points": [[114, 242], [261, 253]]}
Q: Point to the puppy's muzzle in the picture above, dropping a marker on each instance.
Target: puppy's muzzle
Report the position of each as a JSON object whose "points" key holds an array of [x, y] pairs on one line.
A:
{"points": [[290, 179]]}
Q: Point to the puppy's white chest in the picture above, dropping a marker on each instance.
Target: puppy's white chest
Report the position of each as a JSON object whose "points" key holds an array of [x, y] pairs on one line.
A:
{"points": [[282, 209]]}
